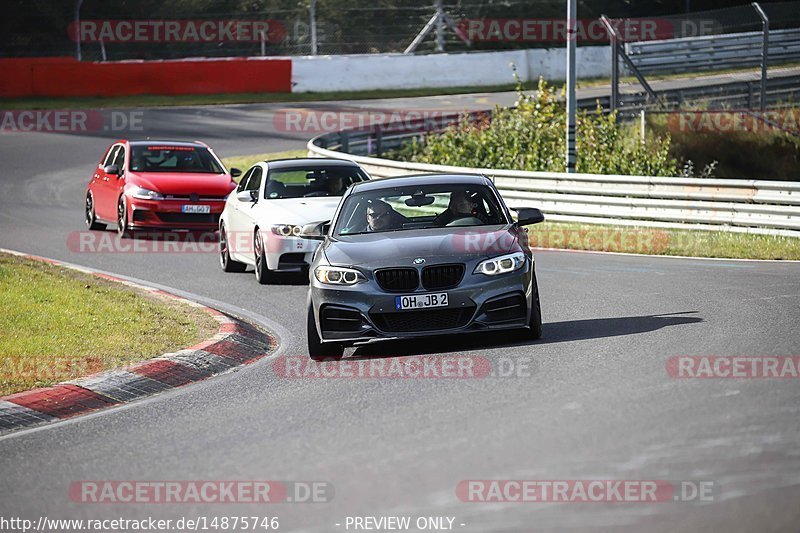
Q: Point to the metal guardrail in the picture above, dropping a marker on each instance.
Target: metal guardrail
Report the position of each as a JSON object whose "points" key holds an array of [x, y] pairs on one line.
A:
{"points": [[747, 206], [733, 50], [781, 91]]}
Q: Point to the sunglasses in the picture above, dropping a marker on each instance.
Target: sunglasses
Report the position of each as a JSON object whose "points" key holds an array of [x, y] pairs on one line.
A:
{"points": [[377, 216]]}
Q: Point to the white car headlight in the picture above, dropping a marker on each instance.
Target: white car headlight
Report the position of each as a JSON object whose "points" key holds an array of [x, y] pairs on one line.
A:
{"points": [[332, 275], [287, 230], [146, 194], [501, 265]]}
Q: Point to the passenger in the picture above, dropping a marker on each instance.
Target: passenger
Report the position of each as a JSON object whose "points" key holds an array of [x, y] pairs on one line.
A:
{"points": [[461, 205]]}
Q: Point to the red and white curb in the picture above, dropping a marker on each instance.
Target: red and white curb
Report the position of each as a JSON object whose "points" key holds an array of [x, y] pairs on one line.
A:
{"points": [[236, 343]]}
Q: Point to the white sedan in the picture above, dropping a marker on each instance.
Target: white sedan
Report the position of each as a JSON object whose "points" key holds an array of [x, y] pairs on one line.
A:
{"points": [[262, 219]]}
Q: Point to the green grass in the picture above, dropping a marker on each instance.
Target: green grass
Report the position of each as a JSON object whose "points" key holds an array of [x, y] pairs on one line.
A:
{"points": [[57, 324], [244, 162], [245, 98], [658, 241]]}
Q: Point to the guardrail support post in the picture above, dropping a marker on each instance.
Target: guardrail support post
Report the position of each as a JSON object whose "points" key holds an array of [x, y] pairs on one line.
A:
{"points": [[571, 74], [344, 142], [764, 54], [614, 63], [379, 142]]}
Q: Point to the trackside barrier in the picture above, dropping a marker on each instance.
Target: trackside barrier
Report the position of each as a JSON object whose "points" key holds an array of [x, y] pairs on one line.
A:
{"points": [[747, 206], [66, 77]]}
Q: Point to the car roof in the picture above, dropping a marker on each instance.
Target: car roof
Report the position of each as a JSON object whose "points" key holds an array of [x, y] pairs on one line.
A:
{"points": [[164, 142], [302, 162], [420, 179]]}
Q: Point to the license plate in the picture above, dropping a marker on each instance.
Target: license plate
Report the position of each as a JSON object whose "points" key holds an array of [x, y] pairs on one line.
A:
{"points": [[205, 209], [420, 301]]}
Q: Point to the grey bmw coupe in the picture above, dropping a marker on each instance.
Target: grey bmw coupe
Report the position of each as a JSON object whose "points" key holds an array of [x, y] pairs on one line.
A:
{"points": [[416, 256]]}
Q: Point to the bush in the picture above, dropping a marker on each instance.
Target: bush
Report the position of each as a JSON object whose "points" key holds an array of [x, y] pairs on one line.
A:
{"points": [[531, 136]]}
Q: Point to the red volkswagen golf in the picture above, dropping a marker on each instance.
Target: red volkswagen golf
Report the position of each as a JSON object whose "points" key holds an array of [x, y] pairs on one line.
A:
{"points": [[158, 185]]}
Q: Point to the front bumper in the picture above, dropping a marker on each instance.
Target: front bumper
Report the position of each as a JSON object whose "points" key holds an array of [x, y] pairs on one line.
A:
{"points": [[365, 312], [167, 214], [288, 254]]}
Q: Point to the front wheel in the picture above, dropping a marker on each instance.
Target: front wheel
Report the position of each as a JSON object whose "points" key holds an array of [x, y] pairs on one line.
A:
{"points": [[317, 350], [535, 323], [91, 216], [263, 274], [123, 229], [225, 261]]}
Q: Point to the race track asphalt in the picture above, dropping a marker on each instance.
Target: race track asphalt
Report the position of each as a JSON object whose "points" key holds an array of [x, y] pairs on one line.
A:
{"points": [[596, 402]]}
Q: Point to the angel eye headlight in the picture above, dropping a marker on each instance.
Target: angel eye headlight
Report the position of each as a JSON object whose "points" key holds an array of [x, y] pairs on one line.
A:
{"points": [[501, 265], [331, 275], [287, 230]]}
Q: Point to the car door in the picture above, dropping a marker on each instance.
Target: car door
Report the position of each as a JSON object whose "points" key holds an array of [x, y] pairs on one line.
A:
{"points": [[248, 210], [235, 221], [117, 183], [101, 189]]}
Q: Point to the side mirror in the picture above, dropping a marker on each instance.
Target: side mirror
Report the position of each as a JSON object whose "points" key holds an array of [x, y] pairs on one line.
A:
{"points": [[112, 170], [316, 231], [235, 172], [528, 215], [247, 196]]}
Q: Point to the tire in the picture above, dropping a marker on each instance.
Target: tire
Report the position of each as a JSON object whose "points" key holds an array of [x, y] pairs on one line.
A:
{"points": [[225, 261], [534, 330], [123, 229], [90, 216], [317, 350], [263, 274]]}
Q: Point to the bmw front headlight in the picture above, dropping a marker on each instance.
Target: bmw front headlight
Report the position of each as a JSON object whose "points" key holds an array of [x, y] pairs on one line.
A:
{"points": [[501, 265], [287, 230], [331, 275]]}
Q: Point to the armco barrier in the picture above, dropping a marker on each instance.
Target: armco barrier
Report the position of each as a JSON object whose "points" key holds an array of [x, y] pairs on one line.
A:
{"points": [[66, 77], [747, 206]]}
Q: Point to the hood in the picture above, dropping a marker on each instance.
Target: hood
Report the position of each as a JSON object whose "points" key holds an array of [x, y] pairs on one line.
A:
{"points": [[440, 245], [298, 211], [182, 183]]}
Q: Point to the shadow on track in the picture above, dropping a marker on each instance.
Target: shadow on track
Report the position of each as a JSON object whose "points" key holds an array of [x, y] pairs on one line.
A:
{"points": [[554, 332]]}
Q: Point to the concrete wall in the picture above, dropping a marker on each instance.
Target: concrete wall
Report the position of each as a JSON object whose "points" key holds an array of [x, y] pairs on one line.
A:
{"points": [[398, 71]]}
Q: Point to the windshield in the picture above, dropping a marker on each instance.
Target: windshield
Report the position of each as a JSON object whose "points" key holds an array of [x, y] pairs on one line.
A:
{"points": [[419, 207], [310, 181], [167, 158]]}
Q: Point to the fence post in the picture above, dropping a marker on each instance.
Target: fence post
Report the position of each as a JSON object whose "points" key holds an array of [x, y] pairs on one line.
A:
{"points": [[764, 54], [312, 13], [263, 44], [78, 29], [439, 26], [572, 156]]}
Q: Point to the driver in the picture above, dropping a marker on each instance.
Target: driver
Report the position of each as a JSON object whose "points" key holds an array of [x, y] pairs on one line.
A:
{"points": [[381, 217], [461, 205], [334, 186]]}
